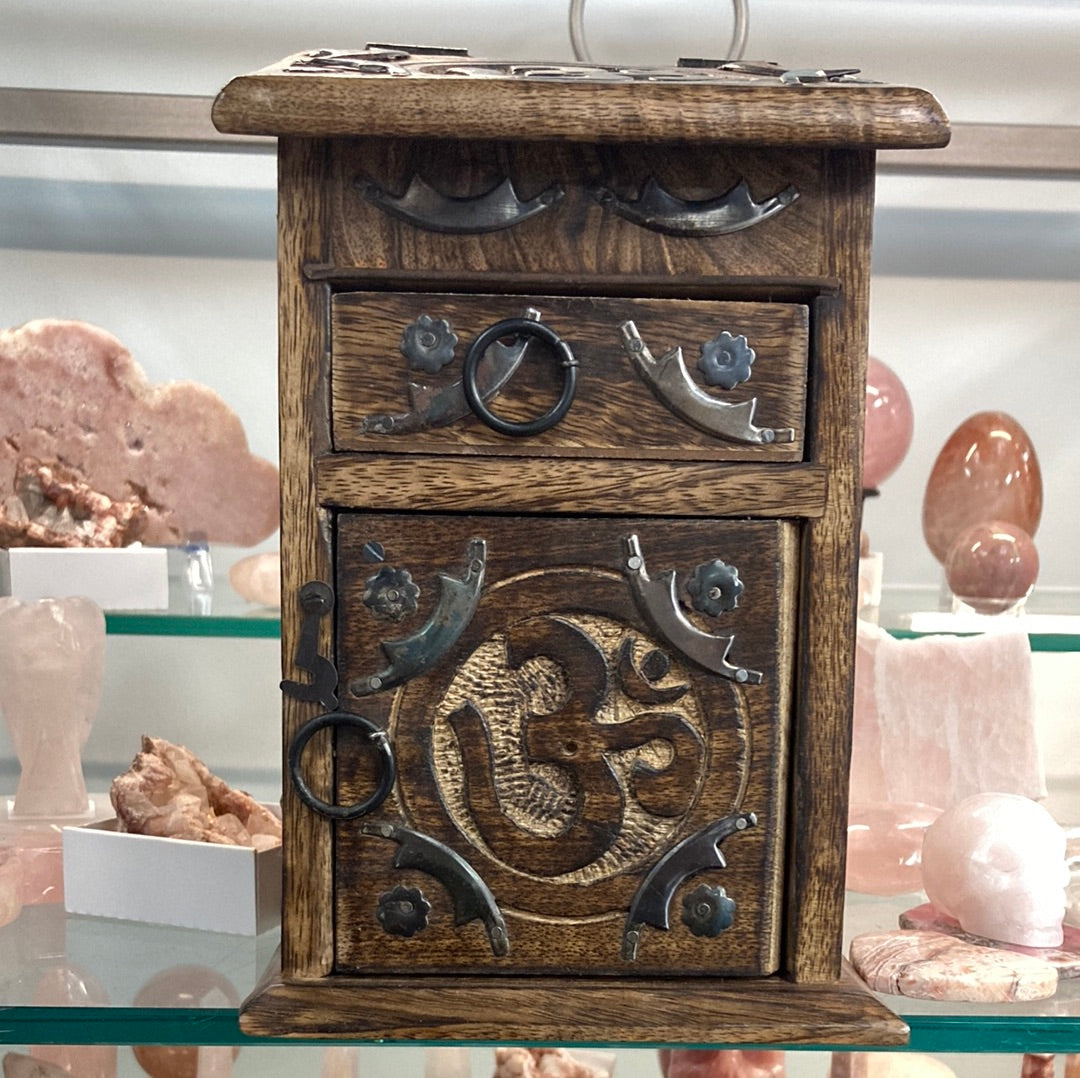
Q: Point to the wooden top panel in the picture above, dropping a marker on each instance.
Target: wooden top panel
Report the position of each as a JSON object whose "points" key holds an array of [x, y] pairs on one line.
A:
{"points": [[393, 92]]}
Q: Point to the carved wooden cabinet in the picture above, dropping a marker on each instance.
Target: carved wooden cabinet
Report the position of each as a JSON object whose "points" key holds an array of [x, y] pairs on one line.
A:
{"points": [[571, 379]]}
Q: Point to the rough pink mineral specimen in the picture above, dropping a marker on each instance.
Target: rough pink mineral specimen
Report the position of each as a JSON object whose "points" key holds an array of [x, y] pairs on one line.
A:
{"points": [[71, 392], [930, 965], [53, 506], [541, 1063], [169, 792]]}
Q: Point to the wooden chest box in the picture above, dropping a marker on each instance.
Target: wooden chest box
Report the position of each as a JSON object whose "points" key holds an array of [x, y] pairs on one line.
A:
{"points": [[572, 365]]}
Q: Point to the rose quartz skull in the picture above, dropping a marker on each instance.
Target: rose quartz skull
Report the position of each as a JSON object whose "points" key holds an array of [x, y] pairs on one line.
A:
{"points": [[996, 862]]}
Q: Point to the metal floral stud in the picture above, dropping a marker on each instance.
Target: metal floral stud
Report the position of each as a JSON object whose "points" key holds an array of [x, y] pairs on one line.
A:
{"points": [[391, 594], [726, 360], [403, 911], [708, 911], [428, 344], [714, 588]]}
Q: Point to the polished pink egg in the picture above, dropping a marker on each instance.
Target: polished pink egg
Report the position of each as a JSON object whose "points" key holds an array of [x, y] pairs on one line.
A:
{"points": [[890, 424]]}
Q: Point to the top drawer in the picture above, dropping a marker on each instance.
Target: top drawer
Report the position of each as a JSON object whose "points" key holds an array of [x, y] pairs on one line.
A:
{"points": [[438, 207], [560, 376]]}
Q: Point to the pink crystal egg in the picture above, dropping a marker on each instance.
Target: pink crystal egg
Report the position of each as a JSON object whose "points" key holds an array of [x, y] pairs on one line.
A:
{"points": [[987, 470], [889, 424], [992, 566]]}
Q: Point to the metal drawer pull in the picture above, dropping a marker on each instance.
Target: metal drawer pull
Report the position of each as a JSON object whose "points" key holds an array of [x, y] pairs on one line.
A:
{"points": [[672, 385], [661, 211], [424, 207], [439, 406], [657, 600], [697, 853], [472, 898], [413, 655], [520, 327], [376, 737]]}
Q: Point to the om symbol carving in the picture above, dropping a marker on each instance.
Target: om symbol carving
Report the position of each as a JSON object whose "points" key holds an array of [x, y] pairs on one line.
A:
{"points": [[568, 747]]}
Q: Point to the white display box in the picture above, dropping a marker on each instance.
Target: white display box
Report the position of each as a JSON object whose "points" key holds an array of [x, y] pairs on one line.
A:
{"points": [[130, 578], [171, 881]]}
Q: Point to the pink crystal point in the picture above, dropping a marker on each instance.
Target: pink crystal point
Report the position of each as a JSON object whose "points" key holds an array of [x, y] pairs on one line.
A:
{"points": [[889, 424], [992, 566], [52, 663], [884, 848], [987, 470], [996, 863]]}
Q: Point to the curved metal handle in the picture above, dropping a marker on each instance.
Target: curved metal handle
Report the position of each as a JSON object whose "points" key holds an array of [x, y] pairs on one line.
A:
{"points": [[426, 208], [661, 211], [520, 327], [376, 737], [672, 385]]}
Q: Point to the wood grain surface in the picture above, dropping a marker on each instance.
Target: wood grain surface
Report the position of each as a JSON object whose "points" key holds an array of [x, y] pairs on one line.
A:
{"points": [[614, 412], [873, 115], [569, 485], [563, 797], [827, 606], [576, 1010], [576, 235], [307, 928]]}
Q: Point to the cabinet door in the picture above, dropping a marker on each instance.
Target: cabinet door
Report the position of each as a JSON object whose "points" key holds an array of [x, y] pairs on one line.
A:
{"points": [[589, 721]]}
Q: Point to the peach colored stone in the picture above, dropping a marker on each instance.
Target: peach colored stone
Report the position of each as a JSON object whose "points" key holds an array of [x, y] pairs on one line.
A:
{"points": [[889, 424], [987, 470], [1065, 959], [884, 846], [720, 1063], [257, 578], [931, 965], [183, 986], [887, 1065], [940, 718], [52, 663], [996, 862], [343, 1061], [71, 391], [992, 566], [169, 792], [1038, 1065]]}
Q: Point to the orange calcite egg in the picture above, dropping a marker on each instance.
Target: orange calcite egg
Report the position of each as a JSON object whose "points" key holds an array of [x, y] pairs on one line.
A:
{"points": [[987, 470]]}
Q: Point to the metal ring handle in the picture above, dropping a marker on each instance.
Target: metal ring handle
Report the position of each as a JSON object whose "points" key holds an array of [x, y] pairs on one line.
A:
{"points": [[581, 49], [520, 327], [376, 736]]}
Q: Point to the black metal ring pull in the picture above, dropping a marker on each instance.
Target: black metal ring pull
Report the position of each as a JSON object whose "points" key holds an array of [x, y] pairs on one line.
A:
{"points": [[376, 736], [520, 327]]}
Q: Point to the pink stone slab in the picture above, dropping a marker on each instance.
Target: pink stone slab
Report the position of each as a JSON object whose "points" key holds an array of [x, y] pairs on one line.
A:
{"points": [[933, 965], [1065, 959]]}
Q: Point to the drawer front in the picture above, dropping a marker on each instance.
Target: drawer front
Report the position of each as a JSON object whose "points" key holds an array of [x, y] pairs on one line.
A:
{"points": [[590, 759], [437, 207], [652, 379]]}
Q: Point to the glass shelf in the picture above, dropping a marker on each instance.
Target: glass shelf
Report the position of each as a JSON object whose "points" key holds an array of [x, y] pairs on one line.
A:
{"points": [[116, 961]]}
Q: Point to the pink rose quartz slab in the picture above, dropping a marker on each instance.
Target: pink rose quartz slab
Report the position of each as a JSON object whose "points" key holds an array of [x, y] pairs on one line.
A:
{"points": [[940, 718], [1065, 959], [11, 903], [71, 392], [934, 965], [884, 847]]}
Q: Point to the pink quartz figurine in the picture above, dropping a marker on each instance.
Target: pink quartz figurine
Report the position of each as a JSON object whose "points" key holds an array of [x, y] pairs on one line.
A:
{"points": [[52, 663]]}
